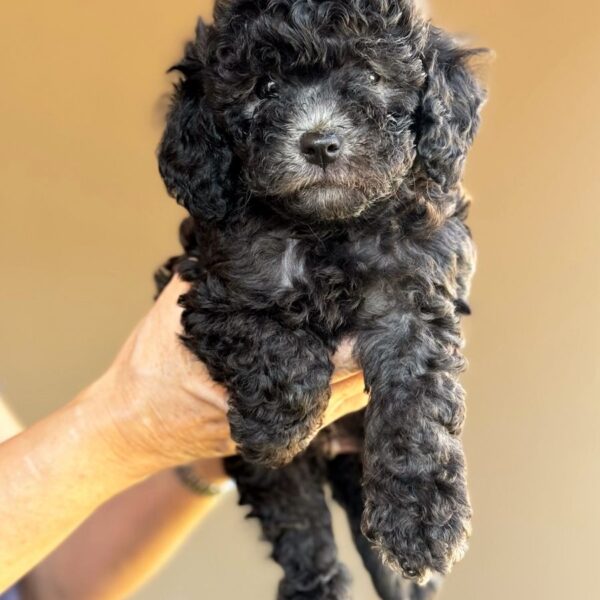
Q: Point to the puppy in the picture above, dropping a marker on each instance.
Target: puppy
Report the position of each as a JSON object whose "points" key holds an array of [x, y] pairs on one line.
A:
{"points": [[318, 146]]}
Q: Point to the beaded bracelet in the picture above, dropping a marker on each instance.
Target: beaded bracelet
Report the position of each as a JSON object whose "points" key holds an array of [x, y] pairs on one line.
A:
{"points": [[187, 476]]}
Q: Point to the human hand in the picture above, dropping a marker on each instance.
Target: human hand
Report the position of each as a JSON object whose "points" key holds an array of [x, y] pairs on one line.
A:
{"points": [[165, 406]]}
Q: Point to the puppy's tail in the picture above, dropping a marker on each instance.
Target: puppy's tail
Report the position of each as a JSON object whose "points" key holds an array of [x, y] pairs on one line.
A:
{"points": [[345, 474]]}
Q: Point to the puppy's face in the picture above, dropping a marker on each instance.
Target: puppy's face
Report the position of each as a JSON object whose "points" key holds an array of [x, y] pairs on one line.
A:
{"points": [[317, 107], [326, 141], [321, 107]]}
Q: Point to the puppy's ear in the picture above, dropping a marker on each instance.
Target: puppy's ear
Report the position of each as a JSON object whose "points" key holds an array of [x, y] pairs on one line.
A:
{"points": [[193, 157], [449, 113]]}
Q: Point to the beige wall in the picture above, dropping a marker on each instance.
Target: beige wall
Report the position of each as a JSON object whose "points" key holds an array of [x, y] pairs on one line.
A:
{"points": [[84, 221]]}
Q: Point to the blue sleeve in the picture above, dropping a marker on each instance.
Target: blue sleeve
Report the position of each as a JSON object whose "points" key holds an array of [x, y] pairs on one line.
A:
{"points": [[11, 594]]}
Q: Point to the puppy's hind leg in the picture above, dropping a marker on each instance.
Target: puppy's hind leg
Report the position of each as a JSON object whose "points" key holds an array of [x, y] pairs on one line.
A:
{"points": [[345, 475], [291, 507]]}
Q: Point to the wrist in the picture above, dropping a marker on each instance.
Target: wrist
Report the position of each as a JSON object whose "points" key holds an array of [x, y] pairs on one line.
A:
{"points": [[210, 470], [108, 411]]}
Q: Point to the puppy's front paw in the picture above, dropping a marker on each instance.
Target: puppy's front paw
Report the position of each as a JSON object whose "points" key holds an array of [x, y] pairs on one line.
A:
{"points": [[272, 453], [268, 437], [419, 539]]}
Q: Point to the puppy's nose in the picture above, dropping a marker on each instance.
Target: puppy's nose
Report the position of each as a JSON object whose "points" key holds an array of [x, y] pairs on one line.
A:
{"points": [[320, 148]]}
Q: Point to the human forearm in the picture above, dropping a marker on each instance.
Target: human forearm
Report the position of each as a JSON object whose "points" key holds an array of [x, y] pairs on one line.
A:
{"points": [[133, 535], [52, 476], [155, 407]]}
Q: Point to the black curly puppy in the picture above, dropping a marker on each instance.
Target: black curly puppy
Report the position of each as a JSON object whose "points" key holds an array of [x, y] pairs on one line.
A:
{"points": [[318, 146]]}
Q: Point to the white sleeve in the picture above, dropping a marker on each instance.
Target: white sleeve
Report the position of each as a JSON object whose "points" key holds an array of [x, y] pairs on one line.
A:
{"points": [[9, 426]]}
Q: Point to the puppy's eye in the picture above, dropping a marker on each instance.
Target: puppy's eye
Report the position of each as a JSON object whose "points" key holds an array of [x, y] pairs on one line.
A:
{"points": [[266, 88], [374, 77]]}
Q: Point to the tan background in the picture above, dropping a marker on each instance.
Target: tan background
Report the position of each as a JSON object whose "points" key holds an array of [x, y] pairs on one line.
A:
{"points": [[84, 220]]}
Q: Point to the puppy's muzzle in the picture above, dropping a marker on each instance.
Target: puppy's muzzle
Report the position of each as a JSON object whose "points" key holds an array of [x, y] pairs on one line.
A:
{"points": [[320, 148]]}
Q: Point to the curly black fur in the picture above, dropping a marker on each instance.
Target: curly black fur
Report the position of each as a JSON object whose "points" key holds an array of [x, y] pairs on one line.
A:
{"points": [[344, 473], [290, 504], [287, 256]]}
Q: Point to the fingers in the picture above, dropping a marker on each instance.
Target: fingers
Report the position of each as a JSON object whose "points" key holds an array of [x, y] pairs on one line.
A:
{"points": [[340, 375], [191, 374], [167, 306], [348, 387], [347, 395], [176, 287]]}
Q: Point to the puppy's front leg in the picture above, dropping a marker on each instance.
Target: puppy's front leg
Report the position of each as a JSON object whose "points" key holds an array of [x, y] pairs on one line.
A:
{"points": [[278, 378], [417, 509]]}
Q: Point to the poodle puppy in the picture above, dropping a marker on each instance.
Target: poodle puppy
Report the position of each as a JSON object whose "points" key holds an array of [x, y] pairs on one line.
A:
{"points": [[318, 146]]}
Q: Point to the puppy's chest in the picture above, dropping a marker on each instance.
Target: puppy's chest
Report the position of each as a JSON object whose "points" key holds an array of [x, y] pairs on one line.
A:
{"points": [[324, 267], [331, 283]]}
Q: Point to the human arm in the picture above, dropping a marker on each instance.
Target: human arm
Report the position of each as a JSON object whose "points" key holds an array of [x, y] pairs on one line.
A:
{"points": [[154, 408], [125, 541]]}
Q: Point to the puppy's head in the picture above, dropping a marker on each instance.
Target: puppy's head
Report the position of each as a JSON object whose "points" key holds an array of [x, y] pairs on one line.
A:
{"points": [[322, 108]]}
